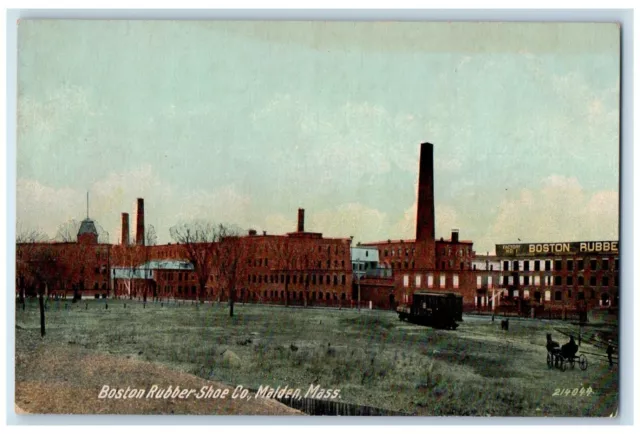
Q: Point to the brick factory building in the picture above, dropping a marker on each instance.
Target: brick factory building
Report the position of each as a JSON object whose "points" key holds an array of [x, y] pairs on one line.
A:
{"points": [[305, 268], [561, 276], [65, 269]]}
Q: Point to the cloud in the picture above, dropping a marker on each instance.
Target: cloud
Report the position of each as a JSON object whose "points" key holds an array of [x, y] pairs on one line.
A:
{"points": [[561, 210], [349, 219]]}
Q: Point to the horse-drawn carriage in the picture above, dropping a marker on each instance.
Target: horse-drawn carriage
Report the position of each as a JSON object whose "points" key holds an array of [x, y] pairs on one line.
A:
{"points": [[565, 356]]}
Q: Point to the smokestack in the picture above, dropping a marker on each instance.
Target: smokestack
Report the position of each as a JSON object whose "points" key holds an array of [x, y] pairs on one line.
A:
{"points": [[300, 219], [454, 236], [425, 222], [125, 229], [140, 223]]}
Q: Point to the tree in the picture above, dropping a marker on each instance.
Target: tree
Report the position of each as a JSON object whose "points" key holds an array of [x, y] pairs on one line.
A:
{"points": [[151, 238], [27, 242], [38, 267], [230, 255], [198, 242]]}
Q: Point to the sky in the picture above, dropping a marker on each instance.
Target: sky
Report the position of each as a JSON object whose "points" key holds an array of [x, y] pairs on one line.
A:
{"points": [[245, 122]]}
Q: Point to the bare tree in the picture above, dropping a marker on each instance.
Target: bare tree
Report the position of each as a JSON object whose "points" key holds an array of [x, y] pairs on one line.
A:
{"points": [[198, 242], [229, 261], [151, 238], [39, 268], [26, 244]]}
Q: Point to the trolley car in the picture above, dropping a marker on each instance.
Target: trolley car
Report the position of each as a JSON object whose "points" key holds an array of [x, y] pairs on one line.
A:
{"points": [[435, 309]]}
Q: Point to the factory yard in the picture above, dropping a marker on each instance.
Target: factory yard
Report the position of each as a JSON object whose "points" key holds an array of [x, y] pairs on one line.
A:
{"points": [[371, 357]]}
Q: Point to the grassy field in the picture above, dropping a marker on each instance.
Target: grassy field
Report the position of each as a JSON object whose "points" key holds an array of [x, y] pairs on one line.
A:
{"points": [[372, 357]]}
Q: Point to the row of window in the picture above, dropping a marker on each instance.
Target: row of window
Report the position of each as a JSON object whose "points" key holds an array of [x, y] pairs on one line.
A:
{"points": [[462, 251], [274, 294], [559, 295], [399, 251], [559, 264], [557, 280], [319, 279], [455, 281]]}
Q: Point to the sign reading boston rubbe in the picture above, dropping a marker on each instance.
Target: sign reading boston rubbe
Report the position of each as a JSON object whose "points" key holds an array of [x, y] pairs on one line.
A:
{"points": [[570, 248]]}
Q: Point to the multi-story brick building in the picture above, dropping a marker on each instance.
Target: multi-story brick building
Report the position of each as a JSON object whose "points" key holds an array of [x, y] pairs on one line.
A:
{"points": [[563, 275], [65, 268]]}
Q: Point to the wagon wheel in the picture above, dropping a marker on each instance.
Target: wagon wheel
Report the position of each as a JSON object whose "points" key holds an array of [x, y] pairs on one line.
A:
{"points": [[549, 360], [583, 362], [572, 362]]}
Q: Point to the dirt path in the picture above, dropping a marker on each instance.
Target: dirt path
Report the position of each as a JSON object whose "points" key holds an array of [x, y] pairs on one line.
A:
{"points": [[68, 381]]}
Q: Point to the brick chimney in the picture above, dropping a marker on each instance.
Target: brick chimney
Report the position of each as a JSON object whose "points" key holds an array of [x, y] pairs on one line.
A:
{"points": [[140, 223], [125, 229], [300, 219], [425, 222], [455, 236]]}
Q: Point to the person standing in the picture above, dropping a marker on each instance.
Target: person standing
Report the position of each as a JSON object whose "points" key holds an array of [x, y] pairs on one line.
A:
{"points": [[610, 353]]}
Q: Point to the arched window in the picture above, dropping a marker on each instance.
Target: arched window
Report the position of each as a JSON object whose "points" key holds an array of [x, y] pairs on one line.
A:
{"points": [[558, 295], [319, 295]]}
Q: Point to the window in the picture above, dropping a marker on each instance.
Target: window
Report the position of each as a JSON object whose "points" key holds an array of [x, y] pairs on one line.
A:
{"points": [[335, 279], [594, 264], [406, 281], [479, 282], [295, 279], [536, 280], [557, 265], [526, 280], [570, 264], [442, 280], [605, 280], [526, 265], [516, 266], [580, 280], [510, 280], [547, 265], [418, 281], [558, 295], [526, 294], [557, 280], [592, 281], [547, 296], [580, 264], [430, 280], [505, 265], [580, 295], [616, 264], [569, 294], [455, 281], [605, 264], [569, 280], [515, 293], [536, 265]]}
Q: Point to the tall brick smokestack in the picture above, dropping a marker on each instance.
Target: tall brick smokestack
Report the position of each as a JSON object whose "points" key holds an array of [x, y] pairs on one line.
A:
{"points": [[140, 223], [125, 229], [300, 219], [425, 222]]}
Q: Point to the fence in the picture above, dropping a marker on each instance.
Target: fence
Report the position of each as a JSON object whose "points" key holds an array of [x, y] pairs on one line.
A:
{"points": [[322, 407]]}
